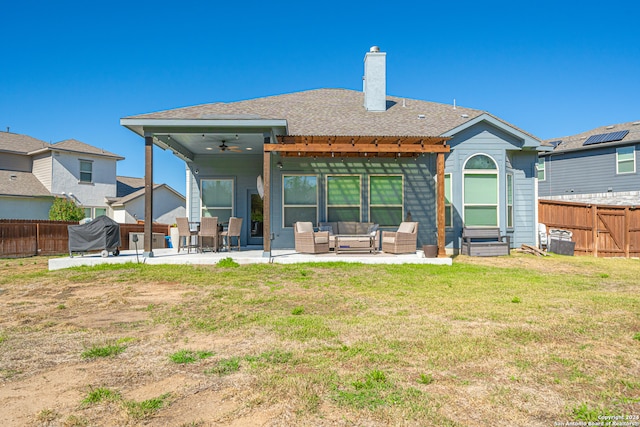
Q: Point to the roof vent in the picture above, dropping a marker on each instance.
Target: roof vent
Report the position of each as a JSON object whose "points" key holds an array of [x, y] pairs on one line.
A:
{"points": [[464, 116], [421, 116], [374, 49], [610, 127], [13, 177], [635, 123]]}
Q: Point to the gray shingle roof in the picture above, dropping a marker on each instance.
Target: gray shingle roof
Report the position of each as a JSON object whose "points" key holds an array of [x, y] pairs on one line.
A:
{"points": [[126, 185], [575, 142], [14, 183], [80, 147], [22, 144], [333, 112]]}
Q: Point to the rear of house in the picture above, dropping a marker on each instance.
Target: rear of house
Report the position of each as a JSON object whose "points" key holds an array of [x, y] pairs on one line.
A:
{"points": [[336, 154]]}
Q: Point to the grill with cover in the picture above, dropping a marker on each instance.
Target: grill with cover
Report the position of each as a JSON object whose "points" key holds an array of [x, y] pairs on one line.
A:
{"points": [[101, 234]]}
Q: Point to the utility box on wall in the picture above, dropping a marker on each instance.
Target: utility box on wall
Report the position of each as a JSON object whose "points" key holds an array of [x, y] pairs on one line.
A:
{"points": [[157, 241]]}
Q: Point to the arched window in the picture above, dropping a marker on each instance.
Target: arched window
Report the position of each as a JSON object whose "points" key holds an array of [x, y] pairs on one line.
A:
{"points": [[480, 191]]}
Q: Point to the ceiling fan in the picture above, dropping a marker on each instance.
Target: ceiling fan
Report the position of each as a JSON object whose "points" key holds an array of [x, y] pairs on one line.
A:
{"points": [[225, 147]]}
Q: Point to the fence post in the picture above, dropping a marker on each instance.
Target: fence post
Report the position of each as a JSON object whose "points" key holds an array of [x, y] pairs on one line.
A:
{"points": [[37, 238], [594, 229]]}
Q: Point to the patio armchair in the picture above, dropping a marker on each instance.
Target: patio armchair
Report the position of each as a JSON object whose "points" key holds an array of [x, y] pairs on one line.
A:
{"points": [[208, 230], [235, 226], [308, 241], [403, 241], [185, 233]]}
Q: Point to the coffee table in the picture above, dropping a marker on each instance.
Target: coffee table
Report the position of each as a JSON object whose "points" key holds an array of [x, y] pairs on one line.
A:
{"points": [[355, 243]]}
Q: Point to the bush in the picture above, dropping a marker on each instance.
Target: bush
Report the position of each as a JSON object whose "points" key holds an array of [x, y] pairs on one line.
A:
{"points": [[64, 209]]}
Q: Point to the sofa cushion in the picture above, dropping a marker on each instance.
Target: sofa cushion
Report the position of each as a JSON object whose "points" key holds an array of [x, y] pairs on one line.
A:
{"points": [[332, 225], [388, 238], [326, 228], [363, 227], [406, 227], [304, 227], [321, 239], [347, 227]]}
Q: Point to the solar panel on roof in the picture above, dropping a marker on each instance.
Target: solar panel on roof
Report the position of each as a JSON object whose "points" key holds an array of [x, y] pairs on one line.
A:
{"points": [[555, 143], [606, 137]]}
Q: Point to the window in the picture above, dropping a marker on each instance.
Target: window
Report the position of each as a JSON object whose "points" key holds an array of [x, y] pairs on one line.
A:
{"points": [[448, 208], [300, 196], [217, 198], [93, 213], [343, 198], [480, 192], [86, 171], [509, 200], [626, 159], [386, 199], [540, 169]]}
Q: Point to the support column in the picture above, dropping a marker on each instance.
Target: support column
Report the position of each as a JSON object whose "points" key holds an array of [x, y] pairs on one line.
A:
{"points": [[266, 205], [440, 205], [148, 196]]}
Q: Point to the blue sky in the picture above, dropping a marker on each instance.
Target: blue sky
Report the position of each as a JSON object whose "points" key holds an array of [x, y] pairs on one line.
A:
{"points": [[72, 69]]}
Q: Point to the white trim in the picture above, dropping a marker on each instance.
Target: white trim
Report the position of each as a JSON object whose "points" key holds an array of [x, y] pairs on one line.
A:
{"points": [[633, 150], [495, 172]]}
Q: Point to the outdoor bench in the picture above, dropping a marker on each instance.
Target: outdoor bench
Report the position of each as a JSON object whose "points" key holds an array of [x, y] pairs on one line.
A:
{"points": [[484, 241]]}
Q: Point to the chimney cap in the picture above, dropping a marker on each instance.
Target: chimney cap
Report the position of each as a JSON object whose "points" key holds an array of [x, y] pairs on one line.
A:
{"points": [[374, 49]]}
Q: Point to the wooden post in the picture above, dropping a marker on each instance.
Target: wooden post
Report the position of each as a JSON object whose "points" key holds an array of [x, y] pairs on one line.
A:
{"points": [[266, 205], [440, 204], [594, 229], [148, 196]]}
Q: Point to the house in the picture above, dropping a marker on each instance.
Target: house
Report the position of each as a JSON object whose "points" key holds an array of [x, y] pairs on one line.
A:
{"points": [[598, 166], [338, 154], [33, 173], [128, 205]]}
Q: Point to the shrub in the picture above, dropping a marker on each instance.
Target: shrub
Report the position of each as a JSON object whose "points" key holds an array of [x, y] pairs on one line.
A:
{"points": [[64, 209]]}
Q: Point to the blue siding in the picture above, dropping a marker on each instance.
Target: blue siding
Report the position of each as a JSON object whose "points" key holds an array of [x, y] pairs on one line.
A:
{"points": [[586, 172], [502, 147]]}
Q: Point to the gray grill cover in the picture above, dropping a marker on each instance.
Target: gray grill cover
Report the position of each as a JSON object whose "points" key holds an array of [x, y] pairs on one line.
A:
{"points": [[101, 233]]}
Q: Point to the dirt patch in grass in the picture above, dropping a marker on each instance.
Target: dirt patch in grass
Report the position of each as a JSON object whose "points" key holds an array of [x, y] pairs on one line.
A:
{"points": [[513, 340]]}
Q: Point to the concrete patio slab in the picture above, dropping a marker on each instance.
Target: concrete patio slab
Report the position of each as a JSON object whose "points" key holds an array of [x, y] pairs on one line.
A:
{"points": [[248, 256]]}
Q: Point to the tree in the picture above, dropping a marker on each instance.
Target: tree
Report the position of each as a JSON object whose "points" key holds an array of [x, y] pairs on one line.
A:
{"points": [[64, 209]]}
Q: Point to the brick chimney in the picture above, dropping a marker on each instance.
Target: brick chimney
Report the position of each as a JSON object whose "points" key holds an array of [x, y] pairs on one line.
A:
{"points": [[375, 80]]}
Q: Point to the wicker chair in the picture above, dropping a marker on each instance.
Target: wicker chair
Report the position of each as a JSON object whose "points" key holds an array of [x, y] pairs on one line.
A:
{"points": [[185, 232], [208, 230], [310, 242], [403, 241], [234, 229]]}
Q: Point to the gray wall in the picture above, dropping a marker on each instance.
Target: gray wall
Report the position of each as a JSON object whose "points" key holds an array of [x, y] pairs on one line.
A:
{"points": [[586, 172], [15, 162]]}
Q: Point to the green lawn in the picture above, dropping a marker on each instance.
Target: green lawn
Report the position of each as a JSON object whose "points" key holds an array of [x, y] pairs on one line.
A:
{"points": [[513, 340]]}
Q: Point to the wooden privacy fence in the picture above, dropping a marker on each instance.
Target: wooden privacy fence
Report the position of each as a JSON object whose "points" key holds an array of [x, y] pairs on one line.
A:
{"points": [[23, 238], [598, 230]]}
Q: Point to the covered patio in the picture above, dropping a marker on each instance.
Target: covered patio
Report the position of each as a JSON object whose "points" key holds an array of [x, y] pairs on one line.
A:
{"points": [[247, 137]]}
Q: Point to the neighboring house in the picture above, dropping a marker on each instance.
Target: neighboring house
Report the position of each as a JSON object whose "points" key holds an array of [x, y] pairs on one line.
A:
{"points": [[128, 205], [337, 154], [34, 172], [599, 166]]}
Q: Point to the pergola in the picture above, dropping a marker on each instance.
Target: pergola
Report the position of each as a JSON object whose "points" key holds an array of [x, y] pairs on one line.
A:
{"points": [[360, 146]]}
